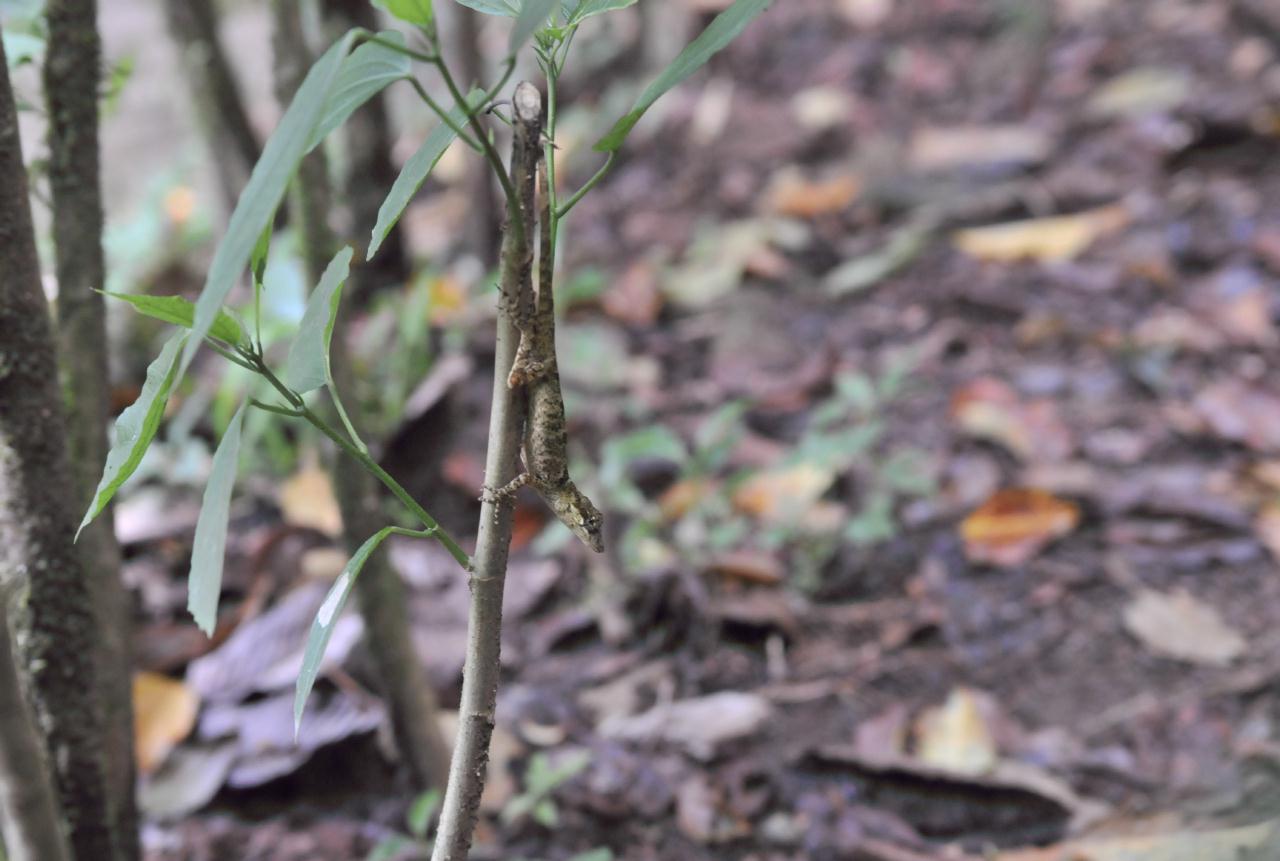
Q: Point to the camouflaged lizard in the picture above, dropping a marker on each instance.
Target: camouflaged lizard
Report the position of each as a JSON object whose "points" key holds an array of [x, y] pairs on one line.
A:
{"points": [[546, 440]]}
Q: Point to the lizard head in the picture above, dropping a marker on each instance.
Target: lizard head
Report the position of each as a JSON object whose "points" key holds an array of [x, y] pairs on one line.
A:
{"points": [[575, 511]]}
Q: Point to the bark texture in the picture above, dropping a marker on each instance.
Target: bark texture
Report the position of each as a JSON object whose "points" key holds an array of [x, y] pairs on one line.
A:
{"points": [[369, 170], [379, 591], [29, 818], [48, 598], [484, 625], [220, 111], [71, 82]]}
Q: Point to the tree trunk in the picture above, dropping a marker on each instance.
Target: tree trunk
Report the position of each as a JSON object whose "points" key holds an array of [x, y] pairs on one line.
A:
{"points": [[71, 82], [220, 111], [380, 591], [29, 818], [48, 599], [369, 171]]}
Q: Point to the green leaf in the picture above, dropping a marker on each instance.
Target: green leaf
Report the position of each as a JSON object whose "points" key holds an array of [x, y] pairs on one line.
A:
{"points": [[364, 74], [258, 259], [327, 618], [415, 172], [545, 813], [533, 17], [723, 30], [421, 813], [506, 8], [307, 366], [136, 427], [265, 189], [575, 13], [180, 311], [416, 12], [602, 854], [204, 583]]}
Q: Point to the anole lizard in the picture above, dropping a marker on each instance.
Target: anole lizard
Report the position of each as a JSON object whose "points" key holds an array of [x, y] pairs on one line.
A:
{"points": [[546, 442]]}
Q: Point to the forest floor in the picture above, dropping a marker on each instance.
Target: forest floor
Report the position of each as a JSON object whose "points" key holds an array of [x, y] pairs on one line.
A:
{"points": [[924, 354]]}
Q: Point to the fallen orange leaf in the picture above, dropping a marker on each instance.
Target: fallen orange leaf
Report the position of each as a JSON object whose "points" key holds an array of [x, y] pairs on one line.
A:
{"points": [[164, 711], [1049, 240], [988, 408], [306, 499], [1015, 524], [793, 194], [783, 495]]}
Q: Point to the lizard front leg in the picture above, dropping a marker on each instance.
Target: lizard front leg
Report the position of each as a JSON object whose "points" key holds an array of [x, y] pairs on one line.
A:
{"points": [[507, 491]]}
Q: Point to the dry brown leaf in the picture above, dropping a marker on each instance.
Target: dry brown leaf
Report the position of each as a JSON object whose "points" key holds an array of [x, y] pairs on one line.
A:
{"points": [[1238, 412], [164, 712], [791, 193], [1049, 240], [635, 296], [948, 148], [1251, 843], [306, 499], [1145, 90], [783, 495], [955, 736], [1015, 524], [990, 409], [680, 498], [752, 566], [1178, 625]]}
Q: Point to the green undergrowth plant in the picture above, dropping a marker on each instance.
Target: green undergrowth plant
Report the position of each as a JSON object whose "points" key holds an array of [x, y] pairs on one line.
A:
{"points": [[287, 387], [845, 438]]}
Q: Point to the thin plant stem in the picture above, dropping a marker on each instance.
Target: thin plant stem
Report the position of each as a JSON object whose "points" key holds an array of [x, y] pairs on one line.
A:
{"points": [[346, 421], [587, 186], [366, 36], [444, 115]]}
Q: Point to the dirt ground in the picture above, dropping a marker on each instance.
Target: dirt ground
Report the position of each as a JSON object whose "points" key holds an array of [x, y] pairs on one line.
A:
{"points": [[1063, 221]]}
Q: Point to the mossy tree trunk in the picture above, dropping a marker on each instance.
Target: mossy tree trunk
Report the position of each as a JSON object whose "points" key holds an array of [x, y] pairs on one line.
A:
{"points": [[29, 819], [380, 591], [49, 601], [71, 83]]}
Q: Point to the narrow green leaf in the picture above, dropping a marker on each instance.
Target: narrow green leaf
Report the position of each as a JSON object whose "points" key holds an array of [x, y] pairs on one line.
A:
{"points": [[265, 189], [723, 30], [258, 259], [180, 311], [533, 17], [204, 583], [575, 11], [414, 174], [363, 75], [416, 12], [307, 366], [422, 812], [136, 427], [506, 8], [326, 619]]}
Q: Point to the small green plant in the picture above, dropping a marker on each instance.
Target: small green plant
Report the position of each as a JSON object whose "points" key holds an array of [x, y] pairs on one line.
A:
{"points": [[356, 67], [541, 780]]}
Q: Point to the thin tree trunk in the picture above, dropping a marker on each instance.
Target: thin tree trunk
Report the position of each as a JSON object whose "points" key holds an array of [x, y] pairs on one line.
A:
{"points": [[369, 171], [71, 80], [29, 818], [48, 599], [484, 626], [220, 110], [380, 591]]}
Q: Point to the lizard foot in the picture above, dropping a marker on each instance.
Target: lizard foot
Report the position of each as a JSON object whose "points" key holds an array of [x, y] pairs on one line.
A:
{"points": [[493, 495]]}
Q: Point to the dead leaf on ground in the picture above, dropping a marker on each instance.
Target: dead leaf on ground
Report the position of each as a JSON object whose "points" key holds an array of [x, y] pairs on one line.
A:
{"points": [[783, 495], [1267, 528], [1237, 302], [1049, 240], [164, 712], [1236, 411], [1250, 843], [187, 781], [948, 148], [990, 409], [1145, 90], [956, 736], [1178, 625], [634, 296], [792, 193], [702, 726], [751, 566], [1015, 524], [306, 499]]}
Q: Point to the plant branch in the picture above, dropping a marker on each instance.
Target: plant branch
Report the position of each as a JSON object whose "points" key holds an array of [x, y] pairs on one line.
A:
{"points": [[444, 115], [590, 184], [467, 771], [366, 36]]}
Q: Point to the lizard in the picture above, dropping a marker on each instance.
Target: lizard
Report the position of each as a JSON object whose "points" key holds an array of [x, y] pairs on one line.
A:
{"points": [[545, 448]]}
